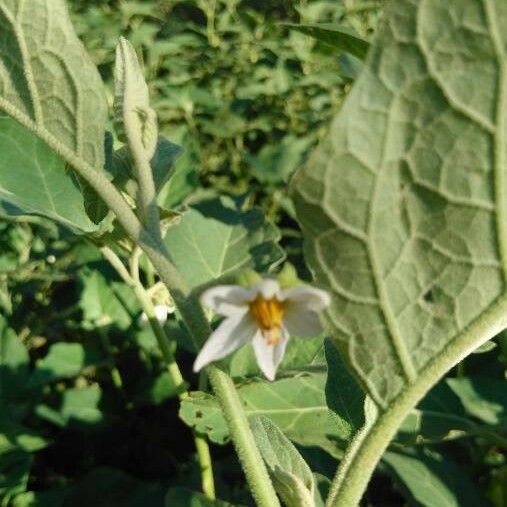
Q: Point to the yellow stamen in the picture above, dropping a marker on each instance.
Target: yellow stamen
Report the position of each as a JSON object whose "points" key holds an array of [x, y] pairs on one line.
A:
{"points": [[269, 315]]}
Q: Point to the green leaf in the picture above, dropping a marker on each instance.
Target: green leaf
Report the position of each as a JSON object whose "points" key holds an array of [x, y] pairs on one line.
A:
{"points": [[214, 241], [48, 81], [296, 405], [35, 180], [337, 36], [400, 217], [292, 478], [430, 480], [483, 397]]}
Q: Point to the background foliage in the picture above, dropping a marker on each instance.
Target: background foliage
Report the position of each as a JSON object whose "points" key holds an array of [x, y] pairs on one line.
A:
{"points": [[247, 96]]}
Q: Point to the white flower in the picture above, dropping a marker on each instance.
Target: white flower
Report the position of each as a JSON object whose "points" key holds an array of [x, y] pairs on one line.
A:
{"points": [[265, 315], [161, 312]]}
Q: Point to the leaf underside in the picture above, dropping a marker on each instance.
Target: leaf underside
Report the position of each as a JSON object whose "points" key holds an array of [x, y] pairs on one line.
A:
{"points": [[49, 84], [402, 206]]}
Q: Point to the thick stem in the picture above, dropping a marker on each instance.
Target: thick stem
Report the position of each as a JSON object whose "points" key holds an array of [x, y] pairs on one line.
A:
{"points": [[366, 449]]}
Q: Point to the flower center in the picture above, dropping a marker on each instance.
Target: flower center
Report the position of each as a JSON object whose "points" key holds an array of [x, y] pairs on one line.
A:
{"points": [[268, 314]]}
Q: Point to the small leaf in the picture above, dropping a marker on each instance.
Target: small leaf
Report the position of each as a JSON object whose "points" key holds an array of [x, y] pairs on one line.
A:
{"points": [[337, 36], [292, 478]]}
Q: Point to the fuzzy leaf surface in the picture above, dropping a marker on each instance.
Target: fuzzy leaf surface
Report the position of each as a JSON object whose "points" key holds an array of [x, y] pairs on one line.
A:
{"points": [[402, 205]]}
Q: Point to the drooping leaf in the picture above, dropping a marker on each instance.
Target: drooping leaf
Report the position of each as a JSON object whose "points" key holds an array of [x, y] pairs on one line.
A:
{"points": [[430, 480], [336, 36], [398, 205], [49, 84], [34, 179], [292, 477], [214, 241]]}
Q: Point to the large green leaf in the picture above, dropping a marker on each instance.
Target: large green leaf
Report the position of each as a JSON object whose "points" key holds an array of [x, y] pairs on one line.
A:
{"points": [[214, 241], [403, 210], [402, 205], [48, 83]]}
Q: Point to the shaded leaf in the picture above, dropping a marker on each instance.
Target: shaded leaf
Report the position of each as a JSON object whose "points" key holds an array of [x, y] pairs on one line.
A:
{"points": [[430, 480]]}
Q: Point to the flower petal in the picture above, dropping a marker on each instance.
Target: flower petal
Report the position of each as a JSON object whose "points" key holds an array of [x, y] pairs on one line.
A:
{"points": [[268, 288], [301, 322], [227, 300], [269, 356], [231, 334], [309, 298]]}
